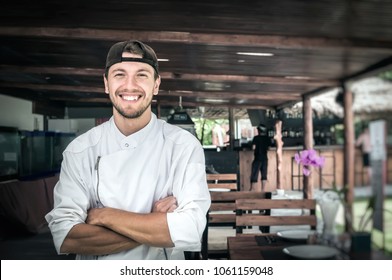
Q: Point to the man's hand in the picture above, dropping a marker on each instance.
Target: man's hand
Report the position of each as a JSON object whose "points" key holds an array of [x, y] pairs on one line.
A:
{"points": [[165, 205], [95, 216], [144, 228]]}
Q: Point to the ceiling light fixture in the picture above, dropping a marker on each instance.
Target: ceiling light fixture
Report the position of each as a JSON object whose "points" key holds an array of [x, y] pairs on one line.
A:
{"points": [[255, 54], [210, 100], [163, 59], [298, 77], [181, 118]]}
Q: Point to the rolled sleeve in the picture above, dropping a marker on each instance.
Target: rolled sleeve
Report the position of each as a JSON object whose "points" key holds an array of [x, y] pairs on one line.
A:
{"points": [[188, 221], [186, 227], [70, 201]]}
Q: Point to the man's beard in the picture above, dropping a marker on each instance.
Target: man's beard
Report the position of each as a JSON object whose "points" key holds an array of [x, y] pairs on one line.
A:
{"points": [[132, 115]]}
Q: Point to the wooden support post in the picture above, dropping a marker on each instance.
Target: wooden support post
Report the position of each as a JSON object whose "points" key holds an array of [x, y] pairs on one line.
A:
{"points": [[308, 144], [349, 150], [231, 128], [279, 151]]}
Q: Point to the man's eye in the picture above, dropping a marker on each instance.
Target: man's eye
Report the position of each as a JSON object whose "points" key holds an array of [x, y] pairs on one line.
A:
{"points": [[118, 74], [142, 75]]}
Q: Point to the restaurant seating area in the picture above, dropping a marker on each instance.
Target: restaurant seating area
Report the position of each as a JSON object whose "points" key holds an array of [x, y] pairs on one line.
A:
{"points": [[218, 234], [235, 220], [222, 216], [303, 219], [312, 74]]}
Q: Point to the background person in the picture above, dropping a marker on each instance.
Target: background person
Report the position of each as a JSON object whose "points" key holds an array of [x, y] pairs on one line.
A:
{"points": [[363, 142], [133, 187], [260, 145]]}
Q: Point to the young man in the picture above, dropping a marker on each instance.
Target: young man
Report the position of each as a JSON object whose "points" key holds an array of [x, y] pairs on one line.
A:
{"points": [[135, 186], [364, 143], [260, 145]]}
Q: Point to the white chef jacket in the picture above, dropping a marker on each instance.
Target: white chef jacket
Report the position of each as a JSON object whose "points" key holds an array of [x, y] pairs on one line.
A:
{"points": [[104, 168]]}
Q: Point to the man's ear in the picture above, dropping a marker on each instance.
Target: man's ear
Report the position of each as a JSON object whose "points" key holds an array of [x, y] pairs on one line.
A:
{"points": [[156, 85], [105, 81]]}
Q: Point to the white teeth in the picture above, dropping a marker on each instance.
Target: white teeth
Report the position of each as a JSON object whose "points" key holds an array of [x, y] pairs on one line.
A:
{"points": [[130, 98]]}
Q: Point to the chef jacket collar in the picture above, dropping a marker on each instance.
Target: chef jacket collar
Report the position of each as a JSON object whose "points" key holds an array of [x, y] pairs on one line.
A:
{"points": [[133, 140]]}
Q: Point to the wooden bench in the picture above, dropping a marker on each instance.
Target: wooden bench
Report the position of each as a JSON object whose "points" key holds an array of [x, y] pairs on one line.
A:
{"points": [[222, 213], [223, 181], [306, 215]]}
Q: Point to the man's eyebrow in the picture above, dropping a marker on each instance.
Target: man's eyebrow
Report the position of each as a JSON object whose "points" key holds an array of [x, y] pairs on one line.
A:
{"points": [[119, 69], [140, 69]]}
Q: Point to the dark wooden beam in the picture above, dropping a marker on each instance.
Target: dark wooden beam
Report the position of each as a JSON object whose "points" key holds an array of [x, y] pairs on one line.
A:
{"points": [[48, 87], [250, 79], [372, 70], [174, 76], [309, 94], [235, 95], [197, 38], [106, 100], [52, 70], [217, 104], [284, 96]]}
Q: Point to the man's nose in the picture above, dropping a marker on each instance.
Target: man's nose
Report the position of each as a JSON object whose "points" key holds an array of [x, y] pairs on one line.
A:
{"points": [[130, 82]]}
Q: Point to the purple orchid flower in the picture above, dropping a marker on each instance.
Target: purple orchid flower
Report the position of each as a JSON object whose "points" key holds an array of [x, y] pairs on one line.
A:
{"points": [[309, 158]]}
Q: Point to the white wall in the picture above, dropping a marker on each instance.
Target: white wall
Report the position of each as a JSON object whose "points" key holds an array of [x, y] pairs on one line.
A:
{"points": [[77, 126], [15, 112]]}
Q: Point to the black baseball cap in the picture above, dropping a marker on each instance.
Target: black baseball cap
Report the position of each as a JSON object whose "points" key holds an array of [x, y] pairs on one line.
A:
{"points": [[261, 127], [132, 46]]}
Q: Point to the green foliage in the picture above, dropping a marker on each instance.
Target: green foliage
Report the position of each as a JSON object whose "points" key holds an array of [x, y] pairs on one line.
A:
{"points": [[204, 128], [387, 75], [365, 217], [380, 239], [339, 133]]}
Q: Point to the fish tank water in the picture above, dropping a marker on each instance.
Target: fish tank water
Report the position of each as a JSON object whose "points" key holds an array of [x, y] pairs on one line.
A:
{"points": [[36, 153], [41, 152], [60, 142]]}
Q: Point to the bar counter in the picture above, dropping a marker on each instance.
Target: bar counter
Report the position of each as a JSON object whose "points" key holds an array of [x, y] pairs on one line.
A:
{"points": [[324, 178], [240, 161]]}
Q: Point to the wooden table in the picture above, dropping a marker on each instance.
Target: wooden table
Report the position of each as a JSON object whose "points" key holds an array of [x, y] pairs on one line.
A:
{"points": [[261, 247], [258, 247]]}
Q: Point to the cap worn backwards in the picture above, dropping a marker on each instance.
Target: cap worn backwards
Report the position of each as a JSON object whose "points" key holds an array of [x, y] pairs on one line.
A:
{"points": [[261, 127], [115, 54]]}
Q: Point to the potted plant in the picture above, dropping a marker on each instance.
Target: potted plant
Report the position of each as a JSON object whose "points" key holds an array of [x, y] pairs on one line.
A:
{"points": [[329, 203]]}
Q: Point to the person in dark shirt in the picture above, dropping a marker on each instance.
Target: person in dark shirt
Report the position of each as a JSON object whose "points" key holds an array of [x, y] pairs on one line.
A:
{"points": [[260, 145]]}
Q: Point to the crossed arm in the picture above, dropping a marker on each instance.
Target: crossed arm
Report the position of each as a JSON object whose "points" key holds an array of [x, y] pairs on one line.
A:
{"points": [[110, 230]]}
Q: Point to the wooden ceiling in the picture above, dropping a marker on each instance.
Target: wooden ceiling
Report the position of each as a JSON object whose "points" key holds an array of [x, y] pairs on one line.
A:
{"points": [[53, 52]]}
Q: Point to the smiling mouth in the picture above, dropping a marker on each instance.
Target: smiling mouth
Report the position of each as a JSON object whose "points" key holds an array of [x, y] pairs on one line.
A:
{"points": [[130, 97]]}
